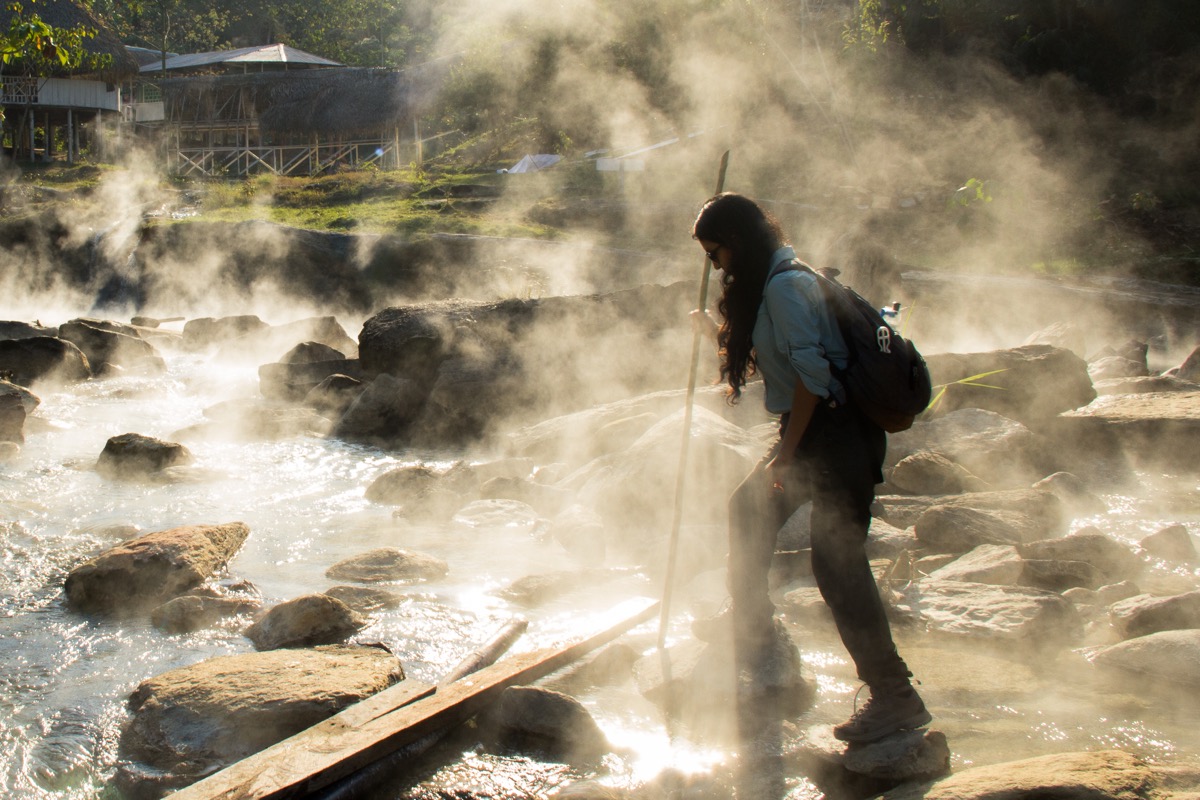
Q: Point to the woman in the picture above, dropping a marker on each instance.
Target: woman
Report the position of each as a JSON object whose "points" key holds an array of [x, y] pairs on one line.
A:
{"points": [[775, 322]]}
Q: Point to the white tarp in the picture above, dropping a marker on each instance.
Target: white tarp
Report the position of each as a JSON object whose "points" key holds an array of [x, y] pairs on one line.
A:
{"points": [[535, 163]]}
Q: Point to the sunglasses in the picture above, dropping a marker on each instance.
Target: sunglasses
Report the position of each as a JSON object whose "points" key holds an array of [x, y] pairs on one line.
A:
{"points": [[712, 254]]}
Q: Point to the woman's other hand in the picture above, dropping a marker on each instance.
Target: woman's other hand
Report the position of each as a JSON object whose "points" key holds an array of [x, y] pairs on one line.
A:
{"points": [[704, 323]]}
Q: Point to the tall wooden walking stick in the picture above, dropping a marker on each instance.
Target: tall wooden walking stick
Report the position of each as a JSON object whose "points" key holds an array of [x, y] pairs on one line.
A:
{"points": [[680, 478]]}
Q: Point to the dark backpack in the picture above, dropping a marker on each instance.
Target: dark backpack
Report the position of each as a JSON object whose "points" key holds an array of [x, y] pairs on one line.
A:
{"points": [[886, 377]]}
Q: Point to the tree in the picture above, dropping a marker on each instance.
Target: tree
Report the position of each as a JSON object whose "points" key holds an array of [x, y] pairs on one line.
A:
{"points": [[37, 49]]}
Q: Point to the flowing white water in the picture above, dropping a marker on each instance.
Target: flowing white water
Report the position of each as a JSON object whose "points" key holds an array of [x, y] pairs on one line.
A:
{"points": [[65, 676]]}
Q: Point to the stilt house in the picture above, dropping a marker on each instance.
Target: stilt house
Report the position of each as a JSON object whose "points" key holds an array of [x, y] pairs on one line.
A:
{"points": [[48, 115], [280, 110]]}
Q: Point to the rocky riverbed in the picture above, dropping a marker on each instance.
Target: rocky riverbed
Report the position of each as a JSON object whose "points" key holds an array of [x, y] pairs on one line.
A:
{"points": [[193, 511]]}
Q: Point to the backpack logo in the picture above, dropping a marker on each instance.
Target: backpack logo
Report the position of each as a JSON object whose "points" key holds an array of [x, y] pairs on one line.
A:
{"points": [[883, 338]]}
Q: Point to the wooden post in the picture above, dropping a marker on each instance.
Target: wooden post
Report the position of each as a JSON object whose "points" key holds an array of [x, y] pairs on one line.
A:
{"points": [[71, 144]]}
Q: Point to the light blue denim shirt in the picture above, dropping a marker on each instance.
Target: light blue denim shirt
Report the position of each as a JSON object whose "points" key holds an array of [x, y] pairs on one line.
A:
{"points": [[795, 336]]}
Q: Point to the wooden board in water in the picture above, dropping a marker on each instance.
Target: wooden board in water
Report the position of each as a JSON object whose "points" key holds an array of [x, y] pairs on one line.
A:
{"points": [[383, 723]]}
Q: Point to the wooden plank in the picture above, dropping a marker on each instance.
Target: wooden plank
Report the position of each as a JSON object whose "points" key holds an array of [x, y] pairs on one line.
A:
{"points": [[349, 741]]}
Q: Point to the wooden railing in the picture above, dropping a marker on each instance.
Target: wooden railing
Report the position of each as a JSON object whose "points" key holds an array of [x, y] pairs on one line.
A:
{"points": [[244, 160]]}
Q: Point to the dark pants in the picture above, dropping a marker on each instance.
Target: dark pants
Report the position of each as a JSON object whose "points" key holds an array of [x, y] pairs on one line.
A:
{"points": [[839, 462]]}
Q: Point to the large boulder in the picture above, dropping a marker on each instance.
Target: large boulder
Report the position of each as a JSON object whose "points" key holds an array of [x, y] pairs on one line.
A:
{"points": [[384, 412], [151, 569], [1031, 510], [1150, 430], [1112, 560], [1000, 565], [1033, 382], [133, 455], [42, 359], [957, 529], [1166, 657], [1002, 613], [1143, 614], [294, 380], [108, 344], [12, 413], [545, 723], [931, 473], [991, 447], [12, 329], [1100, 775], [208, 331], [192, 721]]}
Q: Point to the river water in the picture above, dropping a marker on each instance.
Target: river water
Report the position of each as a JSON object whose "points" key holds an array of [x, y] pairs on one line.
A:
{"points": [[65, 676]]}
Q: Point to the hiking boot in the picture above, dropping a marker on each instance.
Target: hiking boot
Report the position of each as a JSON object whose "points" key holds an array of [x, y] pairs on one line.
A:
{"points": [[885, 713]]}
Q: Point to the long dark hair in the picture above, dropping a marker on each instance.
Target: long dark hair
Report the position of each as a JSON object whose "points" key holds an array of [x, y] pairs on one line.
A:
{"points": [[752, 236]]}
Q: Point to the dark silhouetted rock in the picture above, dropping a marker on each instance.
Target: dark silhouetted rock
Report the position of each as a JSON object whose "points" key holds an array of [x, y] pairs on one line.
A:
{"points": [[539, 721], [132, 455], [111, 343], [43, 359]]}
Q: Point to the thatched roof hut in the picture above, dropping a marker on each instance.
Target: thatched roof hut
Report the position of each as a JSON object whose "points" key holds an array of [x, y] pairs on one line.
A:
{"points": [[69, 14], [345, 102]]}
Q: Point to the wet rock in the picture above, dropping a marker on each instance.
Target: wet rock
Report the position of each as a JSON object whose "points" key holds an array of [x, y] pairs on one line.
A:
{"points": [[1116, 367], [466, 395], [958, 529], [1172, 543], [1116, 592], [1143, 385], [999, 565], [43, 359], [546, 723], [12, 417], [919, 755], [365, 599], [151, 569], [994, 448], [423, 492], [1028, 509], [1059, 574], [1066, 335], [207, 331], [1004, 613], [388, 564], [1168, 656], [1144, 614], [28, 400], [108, 344], [11, 329], [196, 612], [308, 352], [192, 721], [293, 381], [132, 455], [333, 395], [1037, 382], [9, 451], [1073, 492], [1157, 430], [543, 497], [313, 619], [1063, 776], [383, 412], [1112, 560], [928, 473]]}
